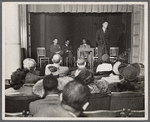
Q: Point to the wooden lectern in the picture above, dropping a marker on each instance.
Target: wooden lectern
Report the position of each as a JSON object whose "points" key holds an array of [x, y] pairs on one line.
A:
{"points": [[91, 51]]}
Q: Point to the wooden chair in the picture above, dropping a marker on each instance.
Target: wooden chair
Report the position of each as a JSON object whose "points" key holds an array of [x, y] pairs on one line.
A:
{"points": [[41, 56], [103, 113], [128, 100]]}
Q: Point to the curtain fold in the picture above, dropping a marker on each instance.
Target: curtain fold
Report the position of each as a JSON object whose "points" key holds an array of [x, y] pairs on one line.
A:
{"points": [[79, 8]]}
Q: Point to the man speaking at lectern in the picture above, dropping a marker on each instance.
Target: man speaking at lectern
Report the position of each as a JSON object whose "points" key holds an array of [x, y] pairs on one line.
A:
{"points": [[102, 39], [85, 54]]}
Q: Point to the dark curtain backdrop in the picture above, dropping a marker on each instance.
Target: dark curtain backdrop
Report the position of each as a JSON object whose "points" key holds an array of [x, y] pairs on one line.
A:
{"points": [[76, 26]]}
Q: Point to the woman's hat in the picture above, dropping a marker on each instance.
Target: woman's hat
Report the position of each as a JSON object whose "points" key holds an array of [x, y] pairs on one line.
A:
{"points": [[115, 67], [129, 71]]}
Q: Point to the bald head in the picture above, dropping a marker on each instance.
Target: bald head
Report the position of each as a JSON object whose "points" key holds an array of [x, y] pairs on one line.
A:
{"points": [[76, 94], [56, 59]]}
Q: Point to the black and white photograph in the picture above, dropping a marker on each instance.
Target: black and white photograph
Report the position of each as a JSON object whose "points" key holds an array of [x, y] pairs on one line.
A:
{"points": [[75, 60]]}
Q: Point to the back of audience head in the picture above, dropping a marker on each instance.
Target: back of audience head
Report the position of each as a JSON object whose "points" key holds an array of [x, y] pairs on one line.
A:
{"points": [[50, 83], [85, 76], [57, 59], [18, 78], [76, 95], [29, 64], [81, 62], [105, 58]]}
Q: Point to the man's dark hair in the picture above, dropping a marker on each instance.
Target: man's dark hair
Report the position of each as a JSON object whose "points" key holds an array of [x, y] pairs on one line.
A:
{"points": [[50, 83], [76, 94]]}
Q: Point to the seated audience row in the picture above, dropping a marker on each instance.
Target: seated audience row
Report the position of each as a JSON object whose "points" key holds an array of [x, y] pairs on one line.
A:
{"points": [[65, 95]]}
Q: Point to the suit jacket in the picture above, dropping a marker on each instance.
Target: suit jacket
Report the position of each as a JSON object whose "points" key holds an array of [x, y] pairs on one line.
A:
{"points": [[62, 70], [54, 49], [101, 37], [31, 77], [35, 106], [67, 54], [55, 110], [77, 71]]}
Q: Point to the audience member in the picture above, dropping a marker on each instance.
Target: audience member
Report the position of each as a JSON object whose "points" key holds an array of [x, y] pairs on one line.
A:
{"points": [[130, 74], [50, 84], [81, 65], [17, 83], [87, 77], [32, 75], [62, 70], [104, 82], [62, 81], [142, 72], [75, 99], [115, 75], [104, 69]]}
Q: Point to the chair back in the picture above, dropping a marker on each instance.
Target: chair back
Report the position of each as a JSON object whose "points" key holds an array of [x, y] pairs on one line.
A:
{"points": [[137, 113], [128, 100], [99, 102], [18, 103], [103, 113], [41, 51], [18, 114]]}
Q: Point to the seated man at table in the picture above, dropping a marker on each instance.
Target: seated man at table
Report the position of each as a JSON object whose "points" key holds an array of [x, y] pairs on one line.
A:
{"points": [[73, 102], [85, 54], [50, 84], [55, 49], [62, 70]]}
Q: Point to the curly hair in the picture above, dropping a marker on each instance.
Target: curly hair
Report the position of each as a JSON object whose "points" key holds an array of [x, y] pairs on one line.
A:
{"points": [[18, 78]]}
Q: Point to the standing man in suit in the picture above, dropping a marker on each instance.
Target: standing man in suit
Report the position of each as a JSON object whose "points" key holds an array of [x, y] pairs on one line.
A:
{"points": [[55, 48], [85, 54], [67, 50], [102, 39]]}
